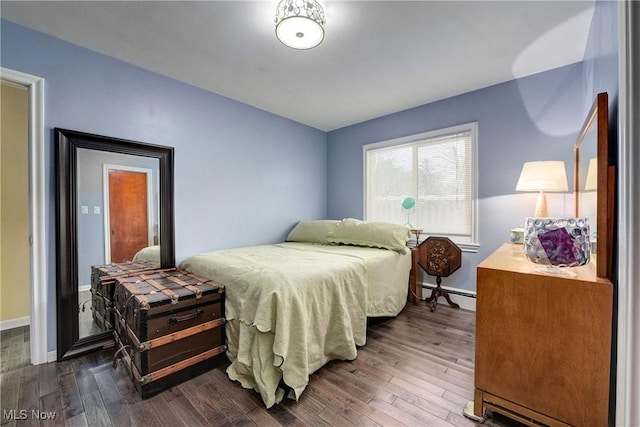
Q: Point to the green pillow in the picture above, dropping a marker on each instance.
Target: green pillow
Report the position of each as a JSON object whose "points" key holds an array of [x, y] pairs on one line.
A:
{"points": [[371, 234], [312, 231]]}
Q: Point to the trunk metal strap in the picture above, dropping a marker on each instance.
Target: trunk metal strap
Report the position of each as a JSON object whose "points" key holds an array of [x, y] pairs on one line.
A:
{"points": [[168, 292], [196, 291]]}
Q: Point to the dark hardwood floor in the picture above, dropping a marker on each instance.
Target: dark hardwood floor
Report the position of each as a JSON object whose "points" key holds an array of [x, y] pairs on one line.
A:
{"points": [[416, 369]]}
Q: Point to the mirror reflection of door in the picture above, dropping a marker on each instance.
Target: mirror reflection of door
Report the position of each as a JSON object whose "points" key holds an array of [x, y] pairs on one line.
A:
{"points": [[95, 195], [127, 218]]}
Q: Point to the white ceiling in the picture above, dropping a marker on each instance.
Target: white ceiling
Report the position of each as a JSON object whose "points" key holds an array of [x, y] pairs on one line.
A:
{"points": [[378, 57]]}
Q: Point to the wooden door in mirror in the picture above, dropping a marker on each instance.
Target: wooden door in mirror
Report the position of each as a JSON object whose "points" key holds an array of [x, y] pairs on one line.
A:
{"points": [[594, 183]]}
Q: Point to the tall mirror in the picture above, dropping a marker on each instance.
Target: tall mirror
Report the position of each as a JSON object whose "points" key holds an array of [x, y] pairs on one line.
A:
{"points": [[114, 200], [593, 183]]}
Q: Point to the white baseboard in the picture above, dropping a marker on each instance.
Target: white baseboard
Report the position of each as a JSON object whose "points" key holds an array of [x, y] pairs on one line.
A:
{"points": [[52, 356], [465, 299], [14, 323], [84, 288]]}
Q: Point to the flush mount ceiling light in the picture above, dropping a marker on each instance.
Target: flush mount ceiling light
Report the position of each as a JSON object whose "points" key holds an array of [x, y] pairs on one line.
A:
{"points": [[300, 23]]}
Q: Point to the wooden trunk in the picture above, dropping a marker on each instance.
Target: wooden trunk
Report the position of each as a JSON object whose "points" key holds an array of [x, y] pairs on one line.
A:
{"points": [[169, 327], [103, 278]]}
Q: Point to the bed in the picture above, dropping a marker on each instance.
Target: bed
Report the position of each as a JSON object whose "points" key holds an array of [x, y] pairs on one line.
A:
{"points": [[291, 307], [150, 254]]}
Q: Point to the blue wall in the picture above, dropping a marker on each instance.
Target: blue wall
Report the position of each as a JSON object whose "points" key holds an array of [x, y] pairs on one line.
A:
{"points": [[532, 118], [601, 55], [242, 176]]}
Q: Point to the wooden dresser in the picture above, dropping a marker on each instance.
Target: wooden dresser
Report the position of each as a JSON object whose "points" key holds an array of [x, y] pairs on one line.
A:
{"points": [[543, 342]]}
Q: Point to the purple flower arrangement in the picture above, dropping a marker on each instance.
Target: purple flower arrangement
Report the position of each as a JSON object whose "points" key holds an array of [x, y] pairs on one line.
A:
{"points": [[559, 242]]}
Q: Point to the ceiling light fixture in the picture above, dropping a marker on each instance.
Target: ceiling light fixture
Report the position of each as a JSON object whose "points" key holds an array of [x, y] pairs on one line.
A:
{"points": [[300, 23]]}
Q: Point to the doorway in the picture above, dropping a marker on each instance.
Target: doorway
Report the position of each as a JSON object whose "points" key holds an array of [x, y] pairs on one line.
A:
{"points": [[36, 201], [128, 211], [14, 211]]}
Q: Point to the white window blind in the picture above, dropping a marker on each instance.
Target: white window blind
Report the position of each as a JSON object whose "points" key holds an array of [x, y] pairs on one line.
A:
{"points": [[437, 169]]}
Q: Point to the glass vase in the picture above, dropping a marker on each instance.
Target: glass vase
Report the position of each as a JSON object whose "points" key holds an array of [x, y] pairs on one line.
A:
{"points": [[557, 243]]}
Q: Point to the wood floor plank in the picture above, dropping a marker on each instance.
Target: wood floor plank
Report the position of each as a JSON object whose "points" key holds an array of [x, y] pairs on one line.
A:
{"points": [[261, 417], [337, 404], [115, 406], [164, 413], [412, 377], [240, 396], [226, 405], [28, 399], [305, 413], [409, 415], [433, 399], [79, 420], [332, 418], [48, 379], [372, 414], [357, 389], [406, 395], [70, 397], [95, 411], [122, 378], [143, 414], [205, 407], [364, 383], [50, 403], [187, 413], [10, 389], [416, 369]]}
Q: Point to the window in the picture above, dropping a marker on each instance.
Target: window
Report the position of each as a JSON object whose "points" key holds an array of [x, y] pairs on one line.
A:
{"points": [[438, 169]]}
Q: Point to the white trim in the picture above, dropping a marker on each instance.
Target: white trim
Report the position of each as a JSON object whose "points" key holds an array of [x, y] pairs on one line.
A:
{"points": [[38, 330], [106, 168], [419, 136], [628, 337], [14, 323], [52, 356]]}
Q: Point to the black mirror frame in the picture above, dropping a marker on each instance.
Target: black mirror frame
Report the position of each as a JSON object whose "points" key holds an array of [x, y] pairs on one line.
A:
{"points": [[67, 142]]}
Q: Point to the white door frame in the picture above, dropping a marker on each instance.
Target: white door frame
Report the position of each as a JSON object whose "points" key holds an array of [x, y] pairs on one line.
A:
{"points": [[38, 251], [107, 220], [628, 338]]}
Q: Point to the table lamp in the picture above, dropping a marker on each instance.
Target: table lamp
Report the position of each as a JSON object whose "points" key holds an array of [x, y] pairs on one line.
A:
{"points": [[541, 176]]}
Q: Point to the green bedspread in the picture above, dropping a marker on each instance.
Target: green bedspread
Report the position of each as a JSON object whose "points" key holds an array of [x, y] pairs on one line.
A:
{"points": [[290, 309]]}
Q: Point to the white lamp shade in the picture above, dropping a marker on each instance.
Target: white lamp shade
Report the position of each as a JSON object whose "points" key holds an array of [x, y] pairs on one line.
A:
{"points": [[591, 183], [543, 176]]}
